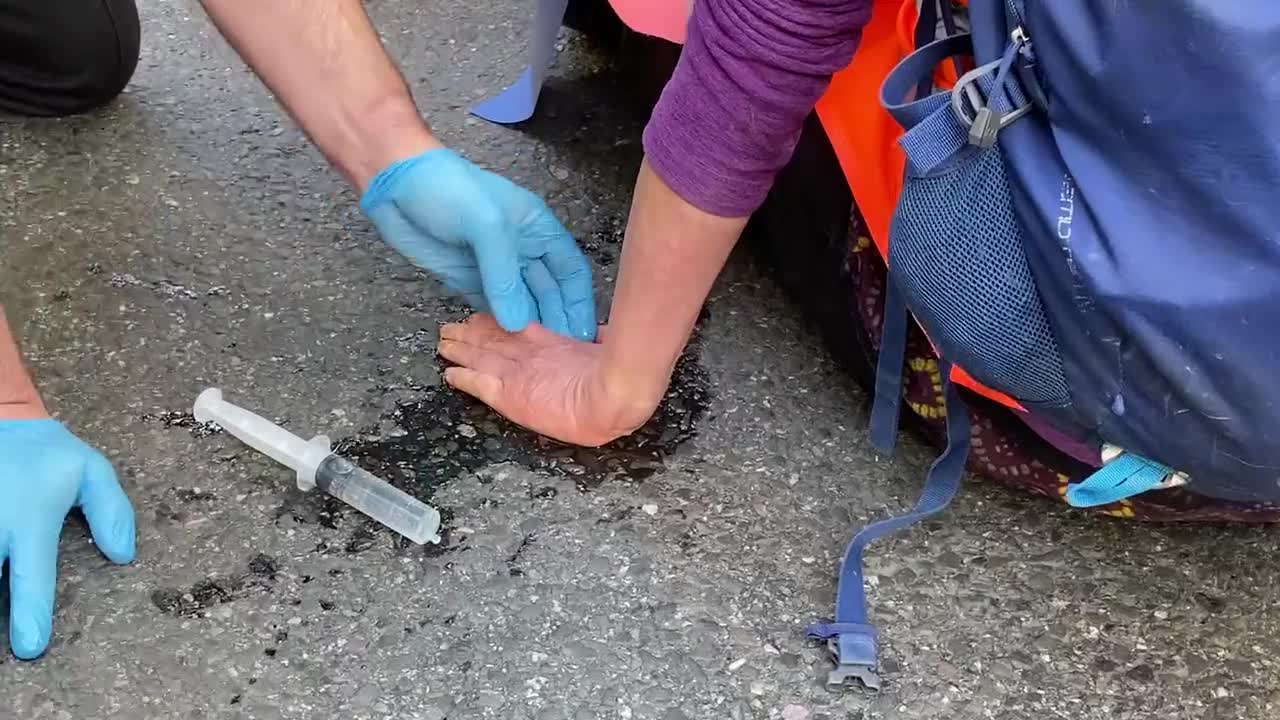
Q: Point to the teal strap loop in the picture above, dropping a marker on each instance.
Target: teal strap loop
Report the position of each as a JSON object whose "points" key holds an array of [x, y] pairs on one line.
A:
{"points": [[1122, 478]]}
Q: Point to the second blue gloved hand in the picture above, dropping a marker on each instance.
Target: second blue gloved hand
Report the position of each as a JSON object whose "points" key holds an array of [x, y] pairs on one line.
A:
{"points": [[486, 238], [44, 472]]}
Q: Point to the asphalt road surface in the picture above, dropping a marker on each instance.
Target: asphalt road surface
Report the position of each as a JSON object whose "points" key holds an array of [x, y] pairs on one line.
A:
{"points": [[188, 237]]}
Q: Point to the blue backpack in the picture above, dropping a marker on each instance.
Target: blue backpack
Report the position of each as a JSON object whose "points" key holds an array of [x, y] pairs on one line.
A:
{"points": [[1090, 223]]}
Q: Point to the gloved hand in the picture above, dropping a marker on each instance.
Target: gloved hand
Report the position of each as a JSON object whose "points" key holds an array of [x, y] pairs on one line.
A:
{"points": [[486, 238], [44, 472]]}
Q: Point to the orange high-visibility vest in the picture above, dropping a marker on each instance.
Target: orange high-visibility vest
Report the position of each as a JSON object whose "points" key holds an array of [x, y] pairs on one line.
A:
{"points": [[865, 137]]}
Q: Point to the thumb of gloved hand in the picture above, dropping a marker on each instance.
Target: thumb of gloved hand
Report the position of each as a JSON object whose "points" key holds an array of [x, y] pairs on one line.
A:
{"points": [[108, 511]]}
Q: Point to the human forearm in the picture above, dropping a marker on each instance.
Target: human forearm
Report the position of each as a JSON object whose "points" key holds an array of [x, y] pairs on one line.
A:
{"points": [[671, 256], [725, 125], [749, 75], [19, 398], [326, 65]]}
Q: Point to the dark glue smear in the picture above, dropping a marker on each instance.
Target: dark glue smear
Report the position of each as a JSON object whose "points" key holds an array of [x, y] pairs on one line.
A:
{"points": [[445, 434], [185, 420], [213, 591]]}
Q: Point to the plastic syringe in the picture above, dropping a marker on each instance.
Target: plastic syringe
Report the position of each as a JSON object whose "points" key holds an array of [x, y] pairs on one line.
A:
{"points": [[318, 466]]}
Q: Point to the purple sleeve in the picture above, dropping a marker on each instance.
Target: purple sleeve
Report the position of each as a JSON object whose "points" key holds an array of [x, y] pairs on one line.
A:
{"points": [[749, 74]]}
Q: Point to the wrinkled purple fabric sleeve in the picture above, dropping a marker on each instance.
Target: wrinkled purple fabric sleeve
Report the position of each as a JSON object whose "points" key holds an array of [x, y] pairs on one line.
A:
{"points": [[749, 74]]}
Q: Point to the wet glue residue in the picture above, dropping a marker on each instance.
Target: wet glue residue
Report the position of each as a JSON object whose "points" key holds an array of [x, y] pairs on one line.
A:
{"points": [[443, 434]]}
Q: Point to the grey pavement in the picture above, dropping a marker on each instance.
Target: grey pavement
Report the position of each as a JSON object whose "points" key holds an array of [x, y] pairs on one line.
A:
{"points": [[188, 237]]}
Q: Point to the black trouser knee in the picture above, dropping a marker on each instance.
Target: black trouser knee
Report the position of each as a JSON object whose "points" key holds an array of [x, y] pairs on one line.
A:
{"points": [[60, 57]]}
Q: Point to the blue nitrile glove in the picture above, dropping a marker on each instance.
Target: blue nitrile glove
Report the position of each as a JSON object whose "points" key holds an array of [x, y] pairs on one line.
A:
{"points": [[44, 472], [488, 239]]}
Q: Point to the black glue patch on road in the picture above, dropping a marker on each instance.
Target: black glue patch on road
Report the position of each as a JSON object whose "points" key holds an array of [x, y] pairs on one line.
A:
{"points": [[444, 434], [213, 591]]}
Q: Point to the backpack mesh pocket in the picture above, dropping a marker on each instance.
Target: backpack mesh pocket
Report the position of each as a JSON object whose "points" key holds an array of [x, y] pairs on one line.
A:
{"points": [[956, 252]]}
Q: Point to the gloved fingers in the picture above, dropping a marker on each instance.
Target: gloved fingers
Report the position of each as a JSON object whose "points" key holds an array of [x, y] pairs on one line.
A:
{"points": [[480, 304], [469, 286], [108, 511], [546, 292], [571, 269], [498, 257], [33, 568]]}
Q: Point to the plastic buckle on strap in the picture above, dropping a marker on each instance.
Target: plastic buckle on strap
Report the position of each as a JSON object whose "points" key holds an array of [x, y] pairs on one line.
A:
{"points": [[1004, 101], [985, 127], [853, 649], [975, 111]]}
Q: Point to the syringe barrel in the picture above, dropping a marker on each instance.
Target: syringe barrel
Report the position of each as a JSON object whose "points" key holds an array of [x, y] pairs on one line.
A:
{"points": [[379, 500], [252, 429]]}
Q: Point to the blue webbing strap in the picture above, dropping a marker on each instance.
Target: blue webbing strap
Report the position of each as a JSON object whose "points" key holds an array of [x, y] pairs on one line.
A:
{"points": [[851, 638], [893, 352], [934, 132], [936, 139], [898, 92]]}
